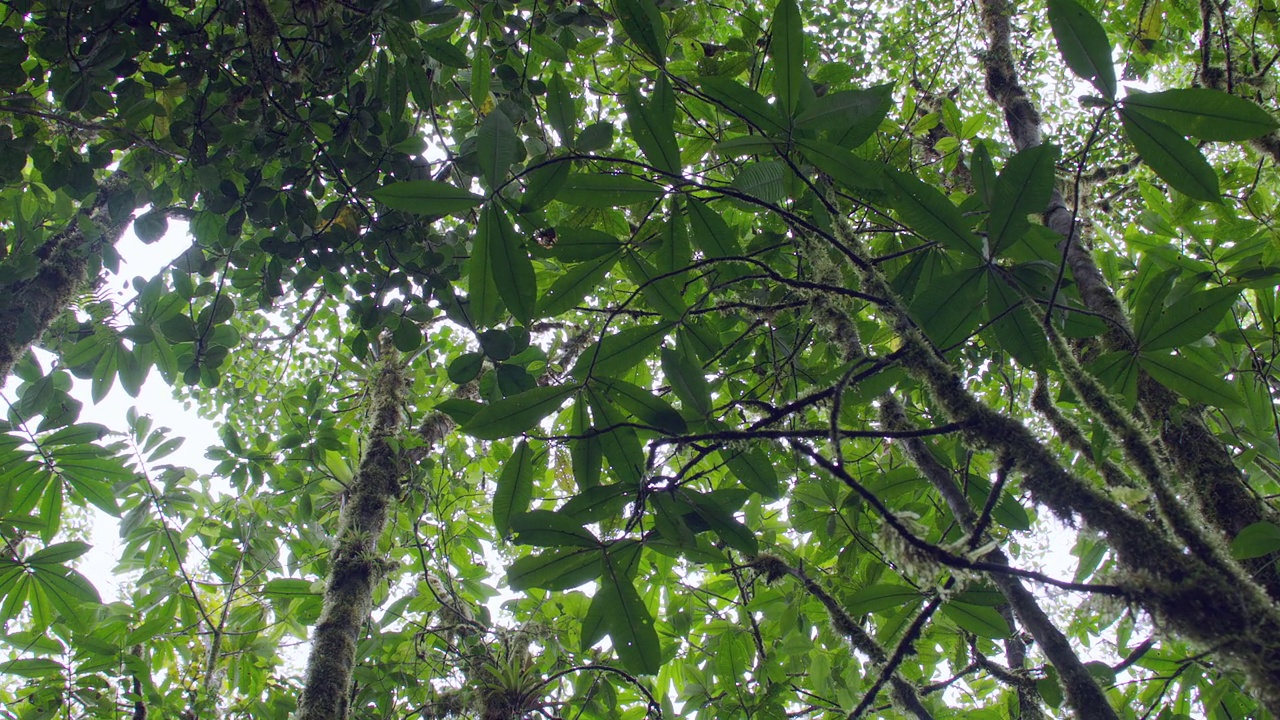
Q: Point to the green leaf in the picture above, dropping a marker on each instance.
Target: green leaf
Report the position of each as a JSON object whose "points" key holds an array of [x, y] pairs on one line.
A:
{"points": [[496, 146], [447, 53], [981, 621], [617, 353], [753, 469], [842, 165], [749, 145], [575, 244], [711, 234], [875, 598], [570, 288], [642, 23], [619, 442], [466, 367], [662, 293], [1023, 188], [151, 226], [849, 117], [630, 625], [585, 450], [786, 49], [288, 588], [927, 211], [548, 48], [482, 287], [514, 489], [510, 265], [596, 136], [32, 667], [1204, 113], [1083, 44], [518, 413], [645, 406], [1256, 540], [687, 380], [951, 307], [762, 181], [459, 410], [558, 569], [1175, 160], [562, 109], [1018, 332], [605, 191], [426, 197], [722, 522], [545, 528], [59, 553], [66, 589], [1189, 318], [651, 125], [1190, 379], [743, 102], [543, 184]]}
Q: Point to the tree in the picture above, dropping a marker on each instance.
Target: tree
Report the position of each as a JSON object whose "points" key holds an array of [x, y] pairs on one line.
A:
{"points": [[743, 351]]}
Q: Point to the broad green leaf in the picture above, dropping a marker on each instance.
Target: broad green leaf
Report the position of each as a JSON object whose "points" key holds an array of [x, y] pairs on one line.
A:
{"points": [[597, 503], [545, 528], [724, 525], [642, 22], [514, 489], [977, 619], [1019, 333], [762, 181], [66, 589], [983, 173], [575, 244], [743, 102], [447, 53], [558, 569], [1023, 188], [1083, 44], [59, 553], [786, 49], [842, 165], [645, 406], [496, 146], [617, 353], [288, 588], [548, 48], [32, 667], [585, 451], [596, 136], [927, 211], [662, 293], [509, 264], [1256, 540], [1189, 318], [754, 470], [459, 410], [619, 442], [1117, 371], [570, 288], [1175, 160], [562, 109], [951, 307], [605, 191], [630, 625], [466, 367], [543, 184], [485, 303], [426, 197], [687, 380], [875, 598], [849, 117], [1204, 113], [711, 234], [518, 413], [651, 125], [749, 145], [1190, 379]]}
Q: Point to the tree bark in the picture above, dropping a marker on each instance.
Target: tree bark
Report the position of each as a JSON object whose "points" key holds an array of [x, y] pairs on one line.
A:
{"points": [[356, 565]]}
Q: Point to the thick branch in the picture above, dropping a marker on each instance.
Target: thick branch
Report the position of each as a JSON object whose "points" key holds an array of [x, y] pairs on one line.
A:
{"points": [[355, 566]]}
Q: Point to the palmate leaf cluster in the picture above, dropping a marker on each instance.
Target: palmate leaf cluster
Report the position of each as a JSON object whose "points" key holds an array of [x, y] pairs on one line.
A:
{"points": [[714, 360]]}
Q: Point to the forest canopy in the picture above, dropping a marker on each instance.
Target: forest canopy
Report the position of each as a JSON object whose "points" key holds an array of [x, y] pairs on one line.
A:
{"points": [[642, 359]]}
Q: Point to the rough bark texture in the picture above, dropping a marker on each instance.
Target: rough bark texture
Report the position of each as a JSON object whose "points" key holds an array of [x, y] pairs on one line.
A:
{"points": [[28, 306], [356, 566], [1201, 461], [1082, 690]]}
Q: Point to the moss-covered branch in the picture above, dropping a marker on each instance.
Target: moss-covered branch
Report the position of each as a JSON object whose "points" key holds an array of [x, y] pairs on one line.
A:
{"points": [[356, 566], [30, 304]]}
